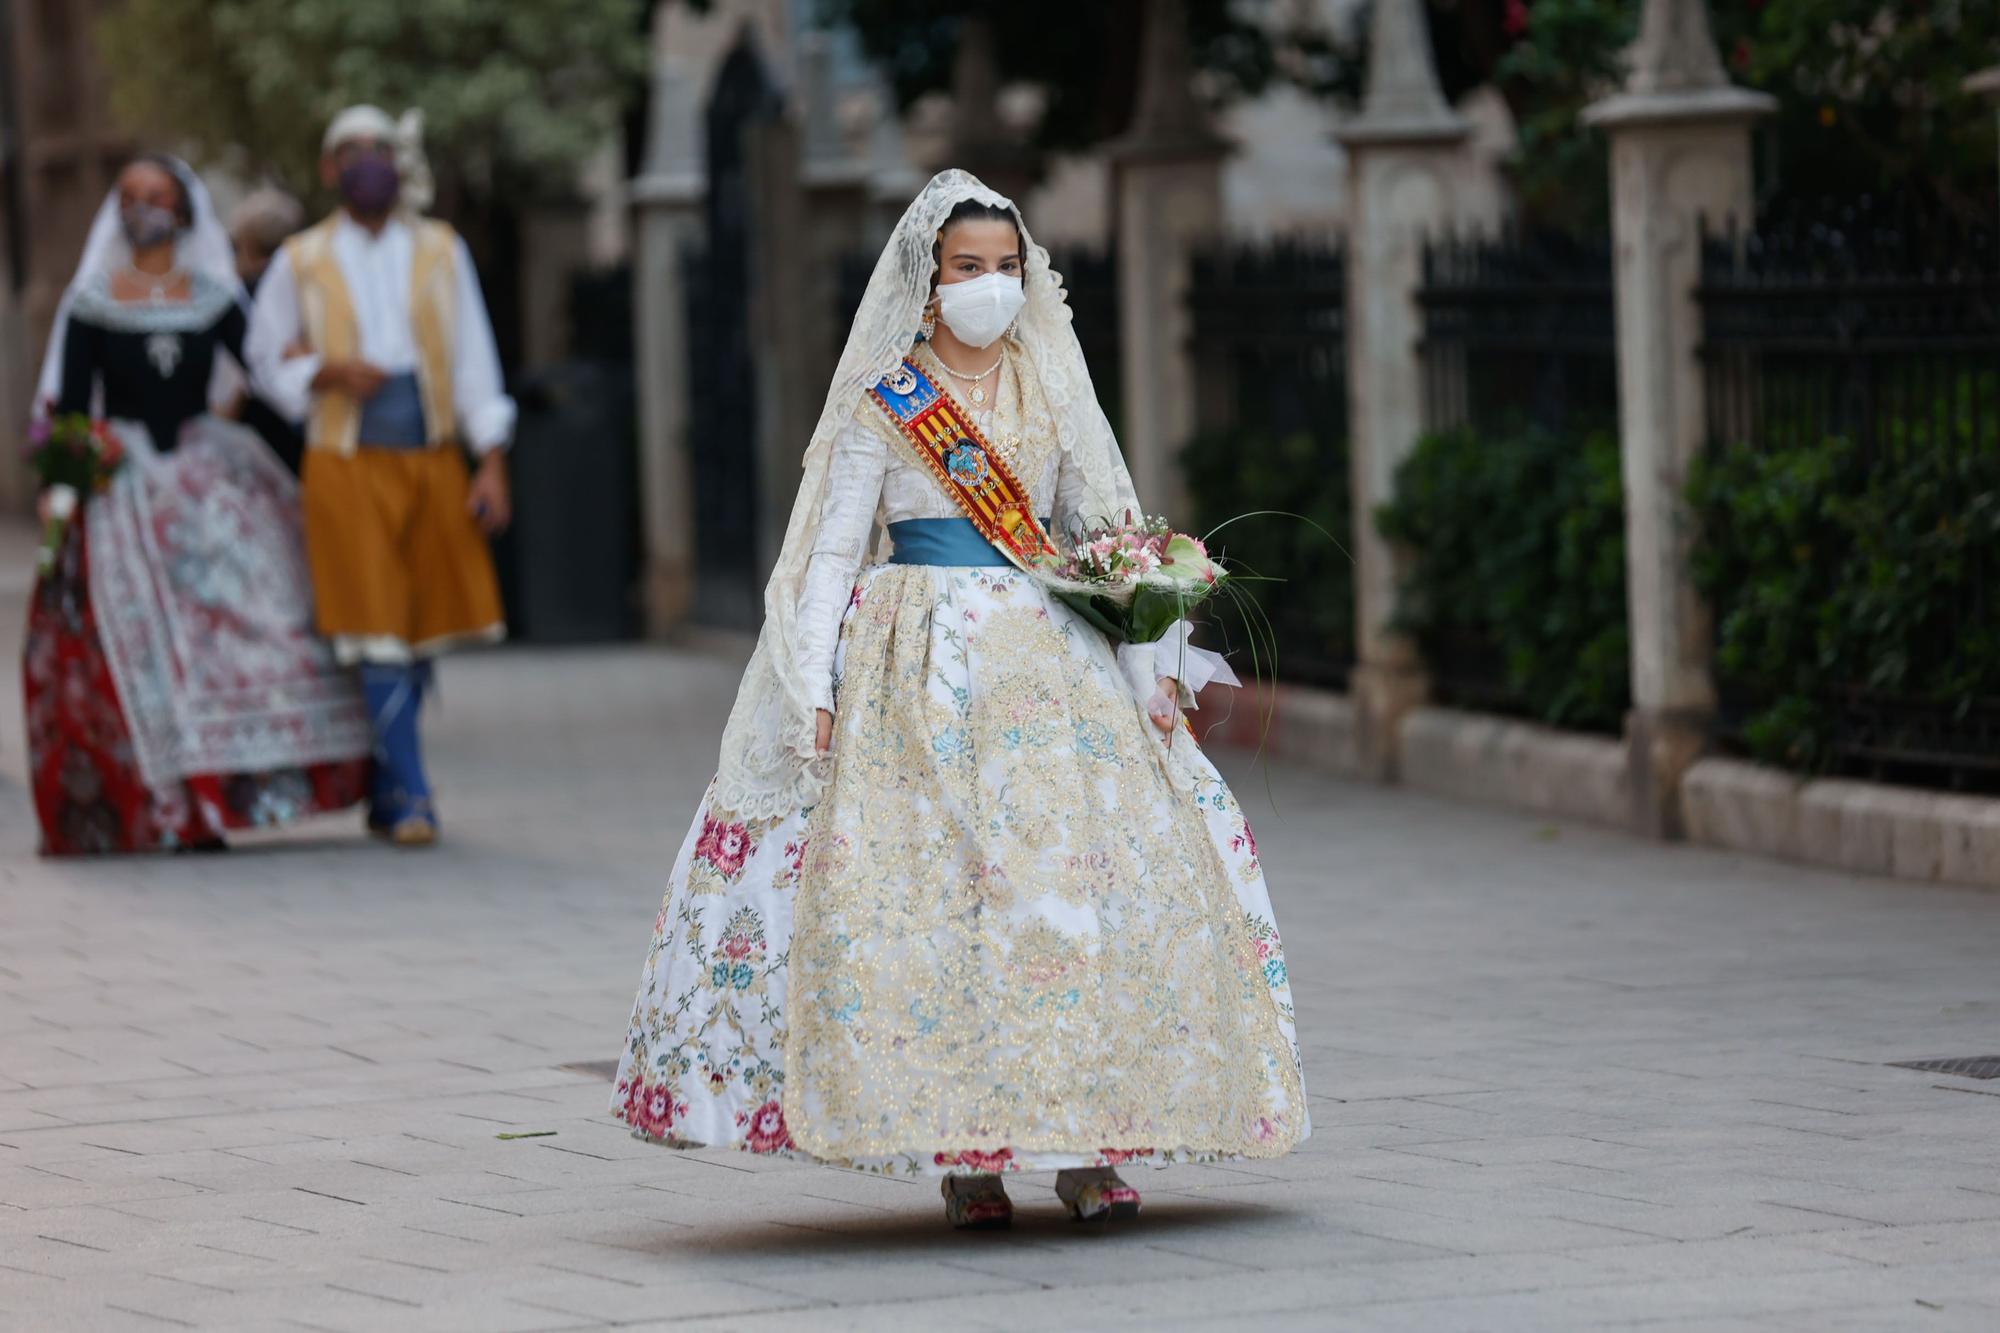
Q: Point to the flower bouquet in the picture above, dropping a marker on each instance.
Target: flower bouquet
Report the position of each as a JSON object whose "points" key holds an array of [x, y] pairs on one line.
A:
{"points": [[1136, 581], [72, 457]]}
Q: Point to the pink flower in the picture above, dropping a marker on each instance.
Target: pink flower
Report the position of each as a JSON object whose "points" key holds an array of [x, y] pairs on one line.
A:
{"points": [[975, 1159], [767, 1132], [1119, 1156], [657, 1110], [724, 846]]}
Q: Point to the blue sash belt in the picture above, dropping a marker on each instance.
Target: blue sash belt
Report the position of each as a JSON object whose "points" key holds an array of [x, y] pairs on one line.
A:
{"points": [[942, 541], [394, 417]]}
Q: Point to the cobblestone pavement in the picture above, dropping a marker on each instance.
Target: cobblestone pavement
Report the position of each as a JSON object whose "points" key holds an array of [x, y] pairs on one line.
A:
{"points": [[1561, 1079]]}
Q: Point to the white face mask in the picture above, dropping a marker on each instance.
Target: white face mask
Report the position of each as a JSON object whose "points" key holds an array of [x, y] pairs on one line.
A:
{"points": [[980, 309]]}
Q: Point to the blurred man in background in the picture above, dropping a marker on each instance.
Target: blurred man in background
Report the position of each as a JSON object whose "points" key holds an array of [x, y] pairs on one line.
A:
{"points": [[370, 328], [262, 222]]}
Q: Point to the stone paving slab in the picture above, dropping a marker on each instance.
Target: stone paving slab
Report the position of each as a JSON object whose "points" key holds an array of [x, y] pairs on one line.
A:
{"points": [[1561, 1079]]}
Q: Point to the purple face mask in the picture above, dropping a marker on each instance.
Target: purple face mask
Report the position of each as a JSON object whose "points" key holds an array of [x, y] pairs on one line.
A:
{"points": [[369, 184], [147, 225]]}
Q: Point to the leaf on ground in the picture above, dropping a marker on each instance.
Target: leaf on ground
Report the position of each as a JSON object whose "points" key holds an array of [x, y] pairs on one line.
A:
{"points": [[531, 1134]]}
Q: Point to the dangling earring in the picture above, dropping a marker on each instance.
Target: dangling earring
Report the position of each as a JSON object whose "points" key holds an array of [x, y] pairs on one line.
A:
{"points": [[929, 325]]}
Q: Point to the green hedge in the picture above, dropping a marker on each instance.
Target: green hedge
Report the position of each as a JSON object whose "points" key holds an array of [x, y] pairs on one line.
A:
{"points": [[1829, 574], [1233, 472], [1516, 544]]}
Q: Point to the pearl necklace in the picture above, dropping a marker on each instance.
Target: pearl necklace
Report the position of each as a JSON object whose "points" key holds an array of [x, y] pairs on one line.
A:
{"points": [[157, 284], [978, 392]]}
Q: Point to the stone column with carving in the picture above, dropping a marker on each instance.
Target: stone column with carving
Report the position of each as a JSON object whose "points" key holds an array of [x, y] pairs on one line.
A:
{"points": [[1680, 153], [1407, 181], [1167, 182], [667, 202]]}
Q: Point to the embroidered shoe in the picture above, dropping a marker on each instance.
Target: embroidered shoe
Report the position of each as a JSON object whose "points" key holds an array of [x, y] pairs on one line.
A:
{"points": [[1096, 1195], [976, 1203]]}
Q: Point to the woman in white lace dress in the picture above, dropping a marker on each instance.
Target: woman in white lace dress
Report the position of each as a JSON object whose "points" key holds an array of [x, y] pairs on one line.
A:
{"points": [[954, 904]]}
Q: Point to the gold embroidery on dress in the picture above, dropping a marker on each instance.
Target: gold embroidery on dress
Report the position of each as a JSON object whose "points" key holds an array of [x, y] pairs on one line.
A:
{"points": [[992, 959]]}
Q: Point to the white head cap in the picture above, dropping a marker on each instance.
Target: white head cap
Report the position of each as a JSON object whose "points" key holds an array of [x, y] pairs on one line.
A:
{"points": [[406, 135], [359, 122]]}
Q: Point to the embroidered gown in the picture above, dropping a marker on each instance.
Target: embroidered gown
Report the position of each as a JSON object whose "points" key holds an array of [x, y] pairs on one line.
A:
{"points": [[173, 686], [1018, 931]]}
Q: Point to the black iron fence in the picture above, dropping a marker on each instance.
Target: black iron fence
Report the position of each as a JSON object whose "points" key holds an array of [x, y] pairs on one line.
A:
{"points": [[1519, 341], [1518, 330], [1270, 354], [1852, 369]]}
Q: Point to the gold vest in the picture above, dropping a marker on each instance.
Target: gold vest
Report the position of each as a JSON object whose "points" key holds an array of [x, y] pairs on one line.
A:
{"points": [[327, 312]]}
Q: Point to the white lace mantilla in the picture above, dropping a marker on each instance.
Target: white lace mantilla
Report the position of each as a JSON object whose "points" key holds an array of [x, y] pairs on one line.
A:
{"points": [[768, 767]]}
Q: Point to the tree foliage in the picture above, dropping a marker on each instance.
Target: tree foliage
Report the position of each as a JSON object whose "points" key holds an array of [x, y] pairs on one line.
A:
{"points": [[1868, 90], [510, 89], [1516, 544], [1084, 57]]}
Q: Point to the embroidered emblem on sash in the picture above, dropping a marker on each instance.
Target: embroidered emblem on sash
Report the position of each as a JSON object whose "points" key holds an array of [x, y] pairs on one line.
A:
{"points": [[977, 479]]}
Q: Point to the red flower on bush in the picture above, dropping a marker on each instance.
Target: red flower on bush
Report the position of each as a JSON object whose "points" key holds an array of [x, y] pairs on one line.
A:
{"points": [[767, 1132]]}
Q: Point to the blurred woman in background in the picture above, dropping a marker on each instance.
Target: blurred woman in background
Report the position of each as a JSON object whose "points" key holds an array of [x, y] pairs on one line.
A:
{"points": [[174, 686]]}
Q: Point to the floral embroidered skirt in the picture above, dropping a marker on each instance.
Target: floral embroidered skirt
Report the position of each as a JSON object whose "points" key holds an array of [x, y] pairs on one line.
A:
{"points": [[1019, 931], [175, 626]]}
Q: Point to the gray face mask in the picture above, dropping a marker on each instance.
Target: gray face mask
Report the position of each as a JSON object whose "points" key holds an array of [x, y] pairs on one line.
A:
{"points": [[147, 225]]}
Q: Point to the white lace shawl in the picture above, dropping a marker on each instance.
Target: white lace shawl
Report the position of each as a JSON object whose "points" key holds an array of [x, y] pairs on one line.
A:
{"points": [[768, 766]]}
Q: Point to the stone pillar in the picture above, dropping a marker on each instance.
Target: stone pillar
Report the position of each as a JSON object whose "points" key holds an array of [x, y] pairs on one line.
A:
{"points": [[1407, 180], [67, 151], [1167, 199], [834, 179], [667, 202], [892, 181], [1680, 153], [981, 142]]}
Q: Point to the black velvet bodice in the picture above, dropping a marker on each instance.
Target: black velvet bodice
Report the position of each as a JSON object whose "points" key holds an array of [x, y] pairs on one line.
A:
{"points": [[152, 360]]}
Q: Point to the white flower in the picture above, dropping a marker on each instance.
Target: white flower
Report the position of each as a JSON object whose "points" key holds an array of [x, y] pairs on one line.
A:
{"points": [[59, 503]]}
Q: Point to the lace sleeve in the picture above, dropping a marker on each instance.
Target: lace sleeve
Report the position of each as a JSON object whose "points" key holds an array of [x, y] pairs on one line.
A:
{"points": [[847, 511]]}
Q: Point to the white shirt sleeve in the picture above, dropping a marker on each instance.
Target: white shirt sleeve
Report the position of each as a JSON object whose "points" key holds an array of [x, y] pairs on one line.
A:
{"points": [[847, 512], [485, 412], [284, 382]]}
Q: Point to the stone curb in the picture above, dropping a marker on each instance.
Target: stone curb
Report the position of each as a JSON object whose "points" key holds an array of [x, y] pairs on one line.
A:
{"points": [[1496, 760], [1863, 827], [1312, 726], [1867, 827]]}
